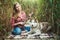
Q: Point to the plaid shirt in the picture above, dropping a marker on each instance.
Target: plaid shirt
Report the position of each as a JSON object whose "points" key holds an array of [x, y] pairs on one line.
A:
{"points": [[21, 17]]}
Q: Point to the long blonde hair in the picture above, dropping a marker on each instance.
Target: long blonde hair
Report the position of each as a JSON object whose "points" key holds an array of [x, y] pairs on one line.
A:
{"points": [[14, 10]]}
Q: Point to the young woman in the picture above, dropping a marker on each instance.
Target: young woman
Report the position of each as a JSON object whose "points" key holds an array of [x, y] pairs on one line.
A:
{"points": [[18, 19]]}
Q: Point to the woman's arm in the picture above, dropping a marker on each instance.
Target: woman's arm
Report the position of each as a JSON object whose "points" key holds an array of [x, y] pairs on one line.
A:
{"points": [[22, 23], [14, 24], [12, 21]]}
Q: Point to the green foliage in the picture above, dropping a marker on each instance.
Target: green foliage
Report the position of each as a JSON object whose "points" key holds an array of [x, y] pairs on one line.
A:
{"points": [[56, 15], [44, 10]]}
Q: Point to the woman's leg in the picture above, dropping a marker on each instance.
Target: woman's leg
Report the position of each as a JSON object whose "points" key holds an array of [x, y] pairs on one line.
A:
{"points": [[16, 31]]}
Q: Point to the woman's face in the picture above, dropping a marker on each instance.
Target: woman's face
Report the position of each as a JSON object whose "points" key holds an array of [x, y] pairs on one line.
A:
{"points": [[18, 7]]}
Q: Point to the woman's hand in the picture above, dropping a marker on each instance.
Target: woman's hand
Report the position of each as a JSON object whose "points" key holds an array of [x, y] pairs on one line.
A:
{"points": [[22, 23]]}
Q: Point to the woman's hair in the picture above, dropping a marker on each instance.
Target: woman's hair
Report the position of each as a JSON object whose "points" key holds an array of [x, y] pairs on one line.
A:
{"points": [[15, 10], [14, 7]]}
